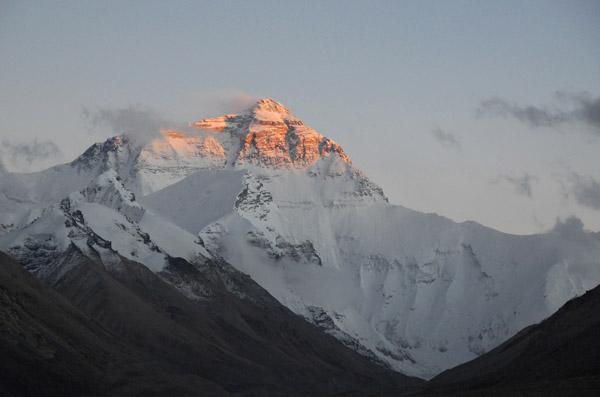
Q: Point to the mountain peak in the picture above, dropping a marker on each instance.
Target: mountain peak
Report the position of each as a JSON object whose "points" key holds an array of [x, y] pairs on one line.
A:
{"points": [[269, 111], [264, 111], [268, 134], [269, 105]]}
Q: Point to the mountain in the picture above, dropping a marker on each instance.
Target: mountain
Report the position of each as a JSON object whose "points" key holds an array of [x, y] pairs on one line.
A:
{"points": [[259, 190], [118, 328], [559, 356]]}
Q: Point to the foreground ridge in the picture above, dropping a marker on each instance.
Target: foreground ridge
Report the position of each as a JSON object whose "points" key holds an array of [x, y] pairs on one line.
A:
{"points": [[117, 328]]}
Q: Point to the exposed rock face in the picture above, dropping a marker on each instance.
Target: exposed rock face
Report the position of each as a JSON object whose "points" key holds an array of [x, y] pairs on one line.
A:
{"points": [[216, 124], [270, 135]]}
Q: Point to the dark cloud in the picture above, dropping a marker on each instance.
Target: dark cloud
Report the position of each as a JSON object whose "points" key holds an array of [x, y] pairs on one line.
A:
{"points": [[532, 115], [445, 138], [572, 108], [573, 229], [28, 152], [139, 122], [589, 112], [522, 185], [586, 190], [570, 228]]}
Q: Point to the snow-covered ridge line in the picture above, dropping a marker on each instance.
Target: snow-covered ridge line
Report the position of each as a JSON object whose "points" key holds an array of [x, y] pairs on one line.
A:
{"points": [[101, 218]]}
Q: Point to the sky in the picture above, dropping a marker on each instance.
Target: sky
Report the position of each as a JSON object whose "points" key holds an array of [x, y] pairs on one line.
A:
{"points": [[475, 110]]}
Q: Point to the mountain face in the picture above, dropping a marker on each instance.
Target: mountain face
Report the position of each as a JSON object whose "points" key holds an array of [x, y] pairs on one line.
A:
{"points": [[283, 204]]}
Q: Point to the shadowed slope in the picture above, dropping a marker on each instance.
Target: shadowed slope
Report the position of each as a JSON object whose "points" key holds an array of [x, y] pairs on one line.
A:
{"points": [[50, 347], [46, 343], [237, 340]]}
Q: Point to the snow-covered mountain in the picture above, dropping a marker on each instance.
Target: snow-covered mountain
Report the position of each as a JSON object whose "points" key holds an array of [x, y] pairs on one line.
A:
{"points": [[416, 292]]}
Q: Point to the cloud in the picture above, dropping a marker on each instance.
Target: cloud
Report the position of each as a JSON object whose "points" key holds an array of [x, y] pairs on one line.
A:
{"points": [[589, 112], [141, 123], [586, 190], [235, 102], [569, 228], [28, 152], [573, 229], [131, 119], [573, 108], [445, 138], [145, 123], [539, 225], [534, 116], [522, 185], [219, 103]]}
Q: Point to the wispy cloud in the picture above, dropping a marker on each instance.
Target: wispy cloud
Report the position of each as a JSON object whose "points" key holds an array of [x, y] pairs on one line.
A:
{"points": [[27, 153], [235, 102], [570, 108], [144, 123], [219, 103], [522, 185], [139, 122], [585, 189], [540, 226], [445, 138], [131, 119]]}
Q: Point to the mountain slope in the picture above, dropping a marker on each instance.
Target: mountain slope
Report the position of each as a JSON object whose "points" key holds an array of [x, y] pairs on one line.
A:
{"points": [[155, 339], [49, 347], [409, 286], [558, 356]]}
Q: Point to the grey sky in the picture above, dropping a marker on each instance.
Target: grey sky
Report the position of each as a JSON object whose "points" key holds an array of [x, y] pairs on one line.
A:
{"points": [[376, 77]]}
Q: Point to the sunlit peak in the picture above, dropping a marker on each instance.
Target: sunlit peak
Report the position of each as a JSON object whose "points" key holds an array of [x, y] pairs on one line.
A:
{"points": [[271, 105]]}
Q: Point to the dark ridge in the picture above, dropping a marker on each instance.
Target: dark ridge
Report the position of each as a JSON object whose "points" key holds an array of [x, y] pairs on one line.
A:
{"points": [[119, 329]]}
